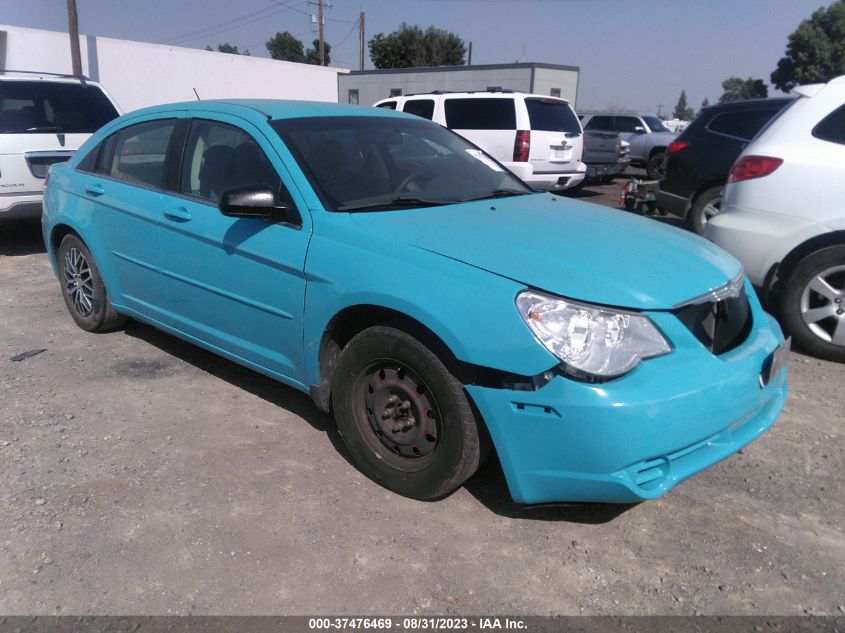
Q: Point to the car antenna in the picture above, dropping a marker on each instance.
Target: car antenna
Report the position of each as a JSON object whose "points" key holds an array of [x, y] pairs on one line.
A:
{"points": [[195, 92]]}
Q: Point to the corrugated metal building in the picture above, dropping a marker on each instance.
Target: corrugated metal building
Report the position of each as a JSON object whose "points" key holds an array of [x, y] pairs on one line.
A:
{"points": [[365, 87]]}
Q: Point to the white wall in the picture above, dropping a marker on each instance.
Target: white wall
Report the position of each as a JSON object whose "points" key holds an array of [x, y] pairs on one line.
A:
{"points": [[138, 74]]}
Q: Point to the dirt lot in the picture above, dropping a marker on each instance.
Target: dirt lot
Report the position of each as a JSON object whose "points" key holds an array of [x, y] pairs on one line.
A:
{"points": [[139, 474]]}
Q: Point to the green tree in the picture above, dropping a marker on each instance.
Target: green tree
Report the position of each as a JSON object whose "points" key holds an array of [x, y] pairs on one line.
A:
{"points": [[286, 47], [815, 51], [312, 55], [410, 46], [682, 109], [705, 103], [227, 48], [737, 89]]}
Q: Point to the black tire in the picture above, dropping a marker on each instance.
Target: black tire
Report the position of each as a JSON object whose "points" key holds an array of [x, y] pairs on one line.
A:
{"points": [[701, 210], [656, 165], [404, 417], [85, 295], [822, 336]]}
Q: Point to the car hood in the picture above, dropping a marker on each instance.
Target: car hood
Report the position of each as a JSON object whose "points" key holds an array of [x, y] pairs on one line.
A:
{"points": [[573, 249]]}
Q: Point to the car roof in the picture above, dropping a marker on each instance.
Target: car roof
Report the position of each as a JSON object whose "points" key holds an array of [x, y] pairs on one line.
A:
{"points": [[505, 93], [44, 77], [273, 109], [748, 103]]}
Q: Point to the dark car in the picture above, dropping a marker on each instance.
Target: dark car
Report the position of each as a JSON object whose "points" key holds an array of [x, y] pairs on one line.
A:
{"points": [[699, 160]]}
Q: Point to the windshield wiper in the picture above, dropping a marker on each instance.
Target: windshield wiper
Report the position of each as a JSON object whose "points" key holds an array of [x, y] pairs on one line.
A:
{"points": [[395, 203], [497, 193]]}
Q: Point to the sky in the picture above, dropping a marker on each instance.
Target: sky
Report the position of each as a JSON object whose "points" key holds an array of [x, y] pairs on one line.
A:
{"points": [[633, 54]]}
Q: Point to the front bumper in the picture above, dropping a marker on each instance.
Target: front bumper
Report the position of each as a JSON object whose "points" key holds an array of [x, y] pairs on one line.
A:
{"points": [[635, 437]]}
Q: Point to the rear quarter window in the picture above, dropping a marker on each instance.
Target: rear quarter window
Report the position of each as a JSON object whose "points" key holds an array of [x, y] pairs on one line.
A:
{"points": [[832, 127], [550, 115], [480, 114]]}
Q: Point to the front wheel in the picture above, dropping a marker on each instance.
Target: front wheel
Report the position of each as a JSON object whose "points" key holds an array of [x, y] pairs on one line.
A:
{"points": [[813, 304], [404, 417]]}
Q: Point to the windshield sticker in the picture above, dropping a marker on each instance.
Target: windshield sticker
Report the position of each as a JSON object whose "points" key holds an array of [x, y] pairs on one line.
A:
{"points": [[477, 153]]}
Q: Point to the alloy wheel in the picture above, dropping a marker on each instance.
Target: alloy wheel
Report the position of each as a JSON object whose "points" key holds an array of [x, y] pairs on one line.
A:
{"points": [[79, 283], [823, 305]]}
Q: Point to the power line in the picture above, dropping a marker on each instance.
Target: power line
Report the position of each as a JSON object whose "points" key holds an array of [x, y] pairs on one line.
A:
{"points": [[263, 14], [214, 26], [354, 25]]}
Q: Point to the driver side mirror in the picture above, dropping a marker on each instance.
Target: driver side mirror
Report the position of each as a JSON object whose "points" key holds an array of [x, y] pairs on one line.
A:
{"points": [[639, 130], [253, 201]]}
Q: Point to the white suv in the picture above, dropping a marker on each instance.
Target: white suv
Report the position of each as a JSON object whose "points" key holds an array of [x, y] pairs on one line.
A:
{"points": [[44, 118], [536, 137], [783, 217]]}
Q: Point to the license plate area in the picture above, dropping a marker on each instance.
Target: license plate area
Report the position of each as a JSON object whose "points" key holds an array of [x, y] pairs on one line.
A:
{"points": [[775, 362], [560, 152]]}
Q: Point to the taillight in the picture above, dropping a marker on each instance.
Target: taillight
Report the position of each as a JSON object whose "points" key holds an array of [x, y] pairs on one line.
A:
{"points": [[676, 146], [521, 146], [749, 167]]}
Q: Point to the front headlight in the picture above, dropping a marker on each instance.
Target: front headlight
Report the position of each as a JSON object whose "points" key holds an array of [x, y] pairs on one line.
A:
{"points": [[599, 342]]}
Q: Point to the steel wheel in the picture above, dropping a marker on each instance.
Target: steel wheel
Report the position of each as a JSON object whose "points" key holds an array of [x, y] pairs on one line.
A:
{"points": [[823, 305], [711, 209], [79, 282], [402, 414]]}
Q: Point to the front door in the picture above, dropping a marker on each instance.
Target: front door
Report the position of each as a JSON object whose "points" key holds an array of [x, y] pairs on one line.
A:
{"points": [[235, 284]]}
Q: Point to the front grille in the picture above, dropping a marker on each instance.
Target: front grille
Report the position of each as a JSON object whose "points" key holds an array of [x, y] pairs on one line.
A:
{"points": [[720, 325]]}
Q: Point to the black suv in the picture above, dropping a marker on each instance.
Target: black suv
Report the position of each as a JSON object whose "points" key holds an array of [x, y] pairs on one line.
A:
{"points": [[699, 160]]}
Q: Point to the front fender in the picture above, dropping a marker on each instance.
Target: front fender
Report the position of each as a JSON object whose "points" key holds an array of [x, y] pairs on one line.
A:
{"points": [[471, 310]]}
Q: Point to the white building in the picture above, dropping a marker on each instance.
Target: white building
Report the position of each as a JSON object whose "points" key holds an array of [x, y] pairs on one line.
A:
{"points": [[138, 74]]}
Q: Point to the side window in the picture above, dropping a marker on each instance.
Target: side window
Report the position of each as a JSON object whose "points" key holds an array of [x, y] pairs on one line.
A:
{"points": [[600, 123], [140, 151], [390, 105], [219, 157], [89, 163], [832, 127], [627, 123], [480, 114], [421, 107], [742, 125]]}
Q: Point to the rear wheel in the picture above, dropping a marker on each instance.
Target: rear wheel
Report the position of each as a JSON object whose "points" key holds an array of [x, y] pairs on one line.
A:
{"points": [[705, 207], [403, 416], [83, 290], [813, 304], [656, 165]]}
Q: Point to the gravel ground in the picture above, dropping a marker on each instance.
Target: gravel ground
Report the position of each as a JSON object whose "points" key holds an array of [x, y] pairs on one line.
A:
{"points": [[142, 475]]}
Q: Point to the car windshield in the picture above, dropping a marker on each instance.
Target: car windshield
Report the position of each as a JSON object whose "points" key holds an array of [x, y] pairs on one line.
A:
{"points": [[37, 107], [369, 163], [655, 124]]}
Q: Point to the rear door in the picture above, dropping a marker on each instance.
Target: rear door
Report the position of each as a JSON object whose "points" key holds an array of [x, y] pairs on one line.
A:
{"points": [[122, 199], [557, 143], [488, 122]]}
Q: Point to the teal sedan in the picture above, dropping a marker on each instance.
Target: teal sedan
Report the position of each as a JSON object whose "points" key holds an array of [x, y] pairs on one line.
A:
{"points": [[436, 305]]}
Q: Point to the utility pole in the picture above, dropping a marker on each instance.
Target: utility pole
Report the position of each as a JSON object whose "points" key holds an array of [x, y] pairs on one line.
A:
{"points": [[320, 24], [659, 108], [361, 38], [469, 60], [73, 31]]}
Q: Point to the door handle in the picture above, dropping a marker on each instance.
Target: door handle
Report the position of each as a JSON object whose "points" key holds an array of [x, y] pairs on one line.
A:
{"points": [[180, 214], [94, 190]]}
